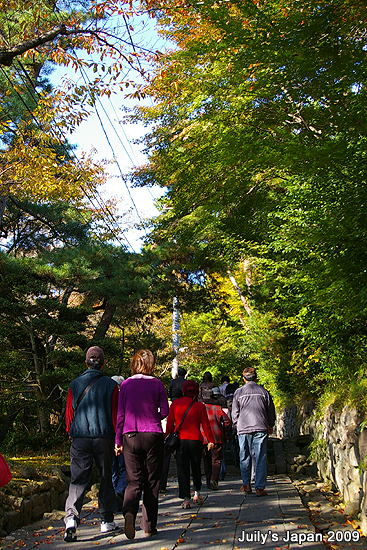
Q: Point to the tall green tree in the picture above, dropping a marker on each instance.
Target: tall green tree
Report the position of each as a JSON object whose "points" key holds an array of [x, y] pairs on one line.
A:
{"points": [[259, 138]]}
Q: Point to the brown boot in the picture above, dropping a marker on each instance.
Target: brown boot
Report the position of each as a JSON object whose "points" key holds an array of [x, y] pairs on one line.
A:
{"points": [[246, 488], [261, 492]]}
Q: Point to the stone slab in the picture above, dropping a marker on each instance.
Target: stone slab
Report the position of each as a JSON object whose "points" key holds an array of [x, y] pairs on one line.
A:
{"points": [[228, 519]]}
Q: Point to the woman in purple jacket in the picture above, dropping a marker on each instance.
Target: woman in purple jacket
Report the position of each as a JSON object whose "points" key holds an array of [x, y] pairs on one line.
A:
{"points": [[142, 405]]}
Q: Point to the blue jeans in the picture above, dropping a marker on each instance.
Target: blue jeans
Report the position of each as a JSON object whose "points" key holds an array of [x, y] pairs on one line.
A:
{"points": [[119, 475], [257, 440]]}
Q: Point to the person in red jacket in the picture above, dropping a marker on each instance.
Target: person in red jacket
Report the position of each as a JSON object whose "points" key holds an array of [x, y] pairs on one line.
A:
{"points": [[220, 424], [190, 440]]}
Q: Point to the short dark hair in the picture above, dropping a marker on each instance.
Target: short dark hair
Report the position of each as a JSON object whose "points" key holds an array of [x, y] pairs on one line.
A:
{"points": [[95, 363], [249, 373], [225, 378], [231, 388], [95, 358], [207, 377], [181, 372]]}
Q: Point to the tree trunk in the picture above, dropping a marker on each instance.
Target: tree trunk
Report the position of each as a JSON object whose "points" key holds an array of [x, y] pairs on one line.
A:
{"points": [[239, 292], [104, 324], [248, 272], [39, 370], [3, 199], [8, 422]]}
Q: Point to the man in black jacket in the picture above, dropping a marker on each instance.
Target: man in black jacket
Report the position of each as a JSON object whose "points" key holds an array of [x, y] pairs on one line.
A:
{"points": [[253, 415], [91, 409], [175, 387]]}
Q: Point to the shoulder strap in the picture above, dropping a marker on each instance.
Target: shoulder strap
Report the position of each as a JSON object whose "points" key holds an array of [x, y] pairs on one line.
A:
{"points": [[85, 391], [184, 416]]}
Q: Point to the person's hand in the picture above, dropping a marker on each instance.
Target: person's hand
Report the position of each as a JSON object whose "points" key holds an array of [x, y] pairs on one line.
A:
{"points": [[118, 449], [270, 430], [210, 446]]}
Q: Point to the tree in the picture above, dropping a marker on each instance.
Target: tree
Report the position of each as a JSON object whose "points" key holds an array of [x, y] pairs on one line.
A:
{"points": [[92, 37], [258, 138], [63, 287]]}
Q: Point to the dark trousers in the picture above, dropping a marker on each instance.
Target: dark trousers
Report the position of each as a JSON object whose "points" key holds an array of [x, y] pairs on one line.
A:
{"points": [[234, 446], [82, 452], [212, 462], [119, 474], [165, 470], [188, 453], [143, 453]]}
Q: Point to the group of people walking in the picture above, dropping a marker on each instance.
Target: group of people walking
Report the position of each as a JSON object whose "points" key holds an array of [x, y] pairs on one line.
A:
{"points": [[107, 418]]}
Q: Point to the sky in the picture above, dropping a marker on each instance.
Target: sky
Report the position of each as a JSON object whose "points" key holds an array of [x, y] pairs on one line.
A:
{"points": [[119, 144], [109, 139]]}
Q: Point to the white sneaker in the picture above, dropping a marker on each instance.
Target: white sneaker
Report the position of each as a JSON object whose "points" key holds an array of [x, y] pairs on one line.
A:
{"points": [[70, 530], [107, 526]]}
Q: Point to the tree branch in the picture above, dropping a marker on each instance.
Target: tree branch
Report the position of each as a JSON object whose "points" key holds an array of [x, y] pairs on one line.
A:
{"points": [[6, 57]]}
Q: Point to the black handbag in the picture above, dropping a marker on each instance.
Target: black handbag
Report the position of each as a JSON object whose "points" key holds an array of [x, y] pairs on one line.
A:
{"points": [[171, 441]]}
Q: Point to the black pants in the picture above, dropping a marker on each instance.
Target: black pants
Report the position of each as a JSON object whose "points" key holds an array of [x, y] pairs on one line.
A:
{"points": [[82, 452], [143, 453], [165, 470], [188, 453]]}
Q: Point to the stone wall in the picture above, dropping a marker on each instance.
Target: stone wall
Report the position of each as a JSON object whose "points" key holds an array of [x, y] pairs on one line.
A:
{"points": [[32, 500], [339, 447]]}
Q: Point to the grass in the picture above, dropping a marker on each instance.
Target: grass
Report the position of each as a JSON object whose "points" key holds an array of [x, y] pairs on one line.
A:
{"points": [[42, 462]]}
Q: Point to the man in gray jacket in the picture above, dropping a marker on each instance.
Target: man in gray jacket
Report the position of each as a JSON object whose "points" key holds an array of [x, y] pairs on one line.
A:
{"points": [[253, 416]]}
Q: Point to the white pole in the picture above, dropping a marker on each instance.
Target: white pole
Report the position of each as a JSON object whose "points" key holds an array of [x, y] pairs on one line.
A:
{"points": [[175, 337]]}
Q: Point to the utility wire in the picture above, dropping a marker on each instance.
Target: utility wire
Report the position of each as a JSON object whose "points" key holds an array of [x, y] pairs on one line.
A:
{"points": [[98, 198], [87, 81], [104, 207]]}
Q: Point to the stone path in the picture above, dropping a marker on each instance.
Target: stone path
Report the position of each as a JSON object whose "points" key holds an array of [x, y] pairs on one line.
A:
{"points": [[228, 519]]}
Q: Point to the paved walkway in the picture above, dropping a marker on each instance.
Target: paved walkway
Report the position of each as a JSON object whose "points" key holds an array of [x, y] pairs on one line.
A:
{"points": [[228, 519]]}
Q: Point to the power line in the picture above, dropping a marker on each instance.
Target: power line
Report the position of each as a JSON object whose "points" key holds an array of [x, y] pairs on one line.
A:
{"points": [[128, 141], [87, 81], [97, 198]]}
